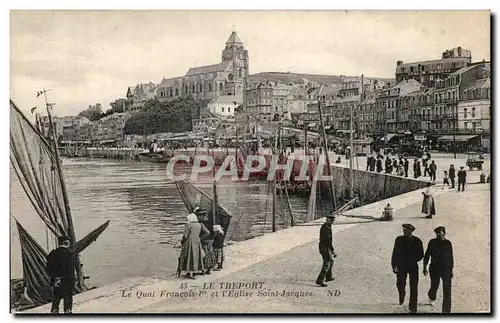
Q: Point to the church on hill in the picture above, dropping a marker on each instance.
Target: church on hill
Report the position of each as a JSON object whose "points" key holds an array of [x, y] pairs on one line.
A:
{"points": [[226, 78]]}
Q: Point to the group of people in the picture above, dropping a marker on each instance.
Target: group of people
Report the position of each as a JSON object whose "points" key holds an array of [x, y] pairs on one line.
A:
{"points": [[202, 249], [408, 252]]}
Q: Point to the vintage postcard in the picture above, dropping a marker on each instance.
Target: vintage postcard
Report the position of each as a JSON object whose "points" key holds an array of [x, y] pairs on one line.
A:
{"points": [[250, 162]]}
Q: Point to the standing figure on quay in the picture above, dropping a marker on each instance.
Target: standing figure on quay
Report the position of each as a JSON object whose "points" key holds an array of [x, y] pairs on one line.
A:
{"points": [[428, 204], [192, 256], [326, 251], [207, 240], [408, 251], [61, 269]]}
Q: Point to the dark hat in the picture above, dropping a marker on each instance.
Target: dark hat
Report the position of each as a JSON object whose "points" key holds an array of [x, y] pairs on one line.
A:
{"points": [[408, 226], [440, 228], [62, 239], [331, 217]]}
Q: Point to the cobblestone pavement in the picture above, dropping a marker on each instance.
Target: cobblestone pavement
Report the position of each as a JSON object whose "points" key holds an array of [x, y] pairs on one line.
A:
{"points": [[364, 280]]}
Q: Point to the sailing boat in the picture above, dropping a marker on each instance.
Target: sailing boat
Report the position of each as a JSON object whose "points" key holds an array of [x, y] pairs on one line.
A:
{"points": [[194, 197], [38, 167]]}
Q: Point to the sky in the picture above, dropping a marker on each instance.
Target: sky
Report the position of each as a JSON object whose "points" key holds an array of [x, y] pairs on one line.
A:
{"points": [[86, 57]]}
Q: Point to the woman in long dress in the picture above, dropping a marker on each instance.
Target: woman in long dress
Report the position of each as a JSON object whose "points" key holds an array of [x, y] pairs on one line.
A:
{"points": [[207, 240], [428, 205], [192, 256]]}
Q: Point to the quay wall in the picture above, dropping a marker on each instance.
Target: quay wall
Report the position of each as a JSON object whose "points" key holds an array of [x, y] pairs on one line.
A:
{"points": [[372, 187], [93, 152]]}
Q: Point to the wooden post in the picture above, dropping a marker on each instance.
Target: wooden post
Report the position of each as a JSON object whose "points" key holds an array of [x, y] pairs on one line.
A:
{"points": [[67, 209], [325, 148]]}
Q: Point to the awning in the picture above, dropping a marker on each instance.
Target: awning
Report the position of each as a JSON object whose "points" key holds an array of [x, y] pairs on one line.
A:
{"points": [[462, 138], [107, 141], [327, 127], [312, 124], [389, 137]]}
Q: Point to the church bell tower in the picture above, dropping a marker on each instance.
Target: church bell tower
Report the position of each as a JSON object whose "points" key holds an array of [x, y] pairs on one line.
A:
{"points": [[238, 55]]}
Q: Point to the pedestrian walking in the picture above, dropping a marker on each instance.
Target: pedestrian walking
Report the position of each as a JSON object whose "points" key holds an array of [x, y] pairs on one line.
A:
{"points": [[408, 251], [61, 270], [406, 165], [326, 251], [462, 178], [432, 171], [440, 252], [451, 173], [428, 205], [368, 163], [445, 180]]}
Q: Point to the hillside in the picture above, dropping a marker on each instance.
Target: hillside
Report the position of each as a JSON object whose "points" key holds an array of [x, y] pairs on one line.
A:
{"points": [[298, 78]]}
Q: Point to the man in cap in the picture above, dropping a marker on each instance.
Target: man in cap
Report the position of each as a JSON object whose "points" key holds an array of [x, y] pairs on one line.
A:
{"points": [[408, 251], [440, 251], [462, 178], [326, 251], [61, 269]]}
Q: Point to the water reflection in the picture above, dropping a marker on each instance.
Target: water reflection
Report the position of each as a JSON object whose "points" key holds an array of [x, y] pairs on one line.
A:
{"points": [[147, 216]]}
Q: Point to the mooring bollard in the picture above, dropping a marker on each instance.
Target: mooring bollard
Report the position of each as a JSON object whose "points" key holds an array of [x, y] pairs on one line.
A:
{"points": [[482, 178], [387, 214]]}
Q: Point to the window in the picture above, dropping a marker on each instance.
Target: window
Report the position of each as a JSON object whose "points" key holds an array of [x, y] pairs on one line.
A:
{"points": [[465, 112], [176, 92], [170, 92], [465, 125], [222, 109], [221, 87], [240, 73], [200, 88], [473, 126], [193, 89], [228, 109], [209, 87], [473, 114]]}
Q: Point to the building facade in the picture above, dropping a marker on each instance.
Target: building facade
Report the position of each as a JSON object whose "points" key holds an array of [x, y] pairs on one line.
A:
{"points": [[427, 72]]}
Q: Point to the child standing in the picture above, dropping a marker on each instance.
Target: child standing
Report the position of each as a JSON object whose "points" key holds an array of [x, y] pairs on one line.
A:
{"points": [[445, 180]]}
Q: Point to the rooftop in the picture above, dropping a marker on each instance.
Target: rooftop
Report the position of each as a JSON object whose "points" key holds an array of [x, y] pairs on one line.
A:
{"points": [[220, 67]]}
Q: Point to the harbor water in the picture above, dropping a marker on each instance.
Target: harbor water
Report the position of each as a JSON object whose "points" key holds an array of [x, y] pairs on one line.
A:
{"points": [[147, 216]]}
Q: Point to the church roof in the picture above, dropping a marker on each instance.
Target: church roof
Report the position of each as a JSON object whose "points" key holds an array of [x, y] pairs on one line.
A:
{"points": [[208, 69], [234, 39]]}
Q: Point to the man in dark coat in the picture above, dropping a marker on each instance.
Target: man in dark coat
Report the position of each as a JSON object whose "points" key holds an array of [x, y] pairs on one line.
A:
{"points": [[379, 164], [326, 251], [408, 251], [368, 163], [388, 165], [451, 173], [425, 164], [61, 270], [373, 163], [440, 252], [432, 171], [416, 168], [406, 165], [462, 178]]}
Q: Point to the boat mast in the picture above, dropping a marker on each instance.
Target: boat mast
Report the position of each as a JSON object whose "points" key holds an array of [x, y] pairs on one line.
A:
{"points": [[69, 218], [325, 148]]}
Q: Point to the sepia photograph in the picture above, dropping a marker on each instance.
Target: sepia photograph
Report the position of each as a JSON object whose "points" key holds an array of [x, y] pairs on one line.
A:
{"points": [[250, 161]]}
